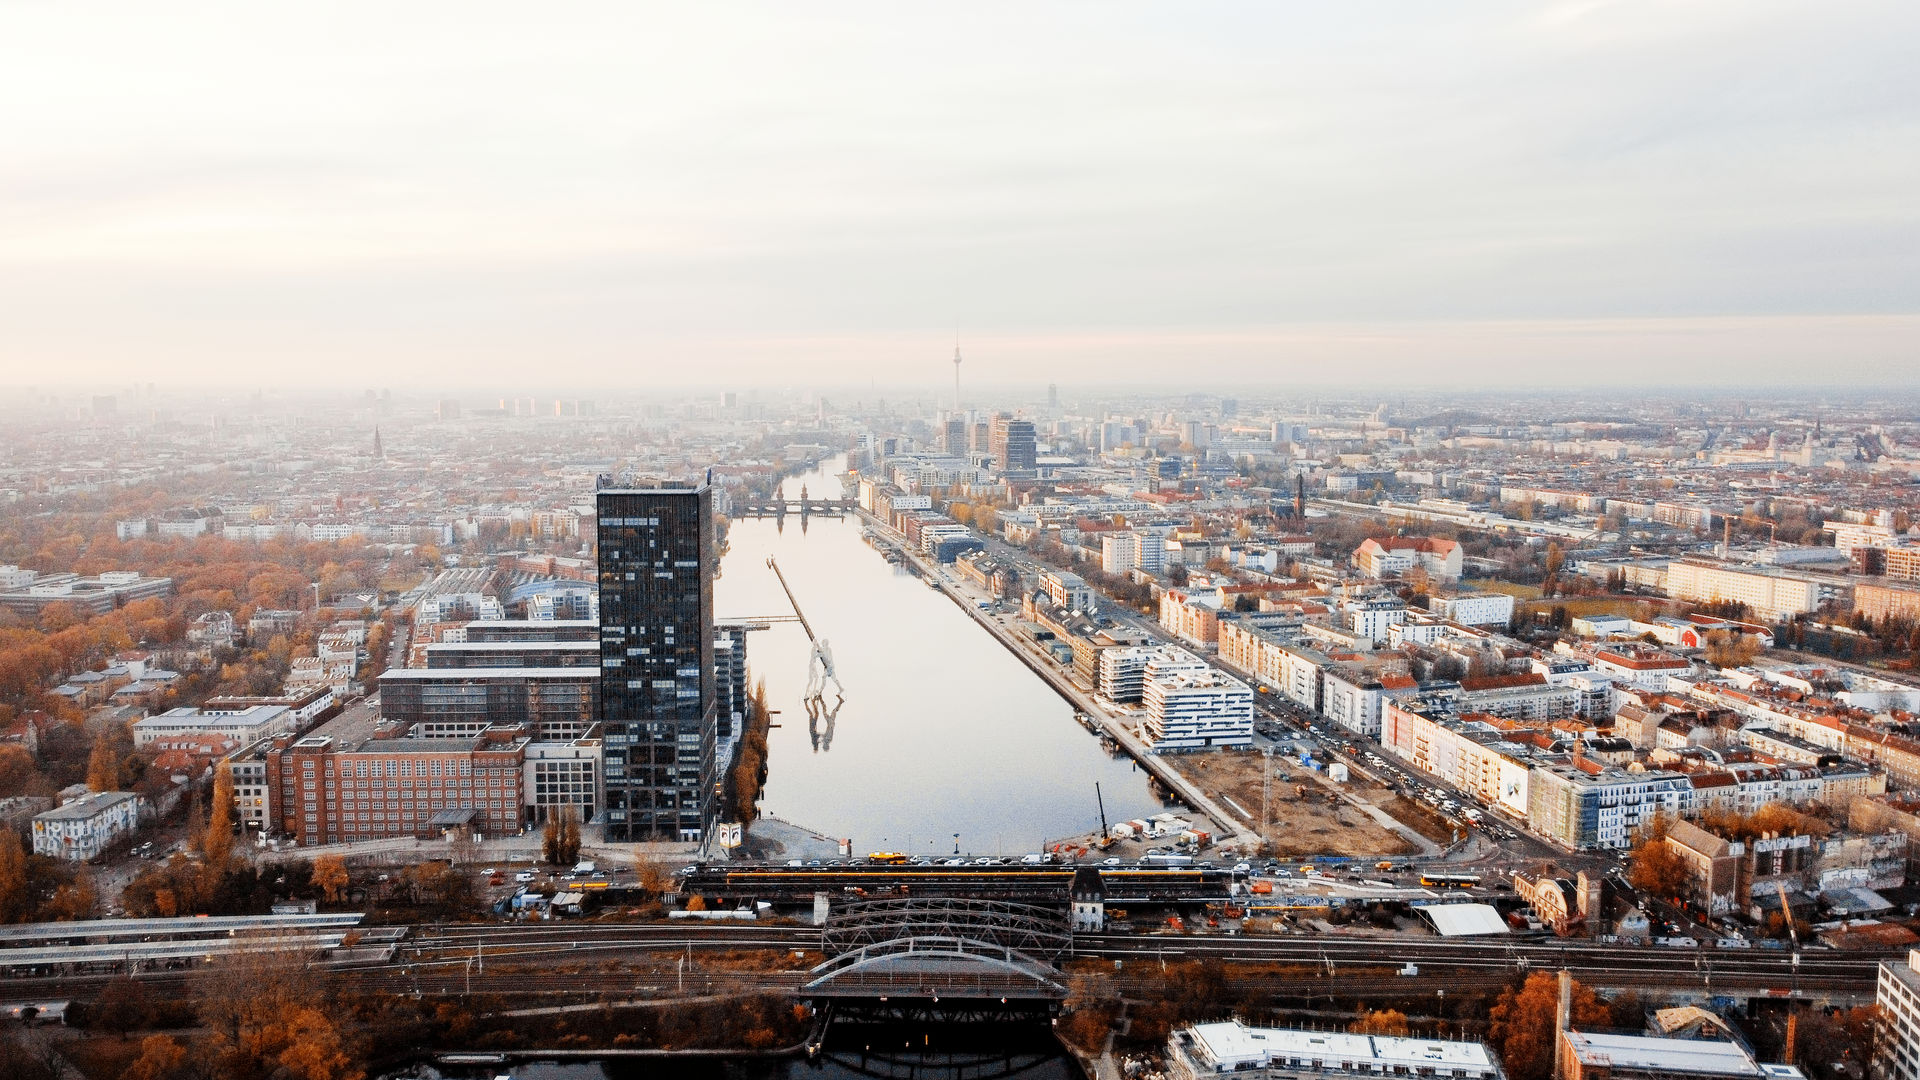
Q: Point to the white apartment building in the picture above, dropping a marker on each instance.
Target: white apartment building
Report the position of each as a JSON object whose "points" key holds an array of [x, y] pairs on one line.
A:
{"points": [[1847, 536], [1474, 609], [1768, 593], [1352, 700], [1640, 667], [1300, 670], [1191, 709], [1069, 592], [1121, 673], [1386, 556], [85, 827], [1123, 553], [1371, 618], [1581, 806]]}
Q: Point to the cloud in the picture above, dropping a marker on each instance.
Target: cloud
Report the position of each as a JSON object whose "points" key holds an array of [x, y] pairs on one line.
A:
{"points": [[205, 186]]}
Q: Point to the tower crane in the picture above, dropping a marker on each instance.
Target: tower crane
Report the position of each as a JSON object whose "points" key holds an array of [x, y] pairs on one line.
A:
{"points": [[820, 672]]}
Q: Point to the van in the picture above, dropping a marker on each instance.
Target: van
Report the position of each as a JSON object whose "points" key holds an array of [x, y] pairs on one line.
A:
{"points": [[1032, 859]]}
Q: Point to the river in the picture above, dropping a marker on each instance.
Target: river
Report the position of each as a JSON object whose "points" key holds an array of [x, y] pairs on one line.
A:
{"points": [[1007, 1051], [942, 732]]}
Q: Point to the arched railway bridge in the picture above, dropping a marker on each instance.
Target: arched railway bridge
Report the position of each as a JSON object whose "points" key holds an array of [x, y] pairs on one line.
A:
{"points": [[934, 948]]}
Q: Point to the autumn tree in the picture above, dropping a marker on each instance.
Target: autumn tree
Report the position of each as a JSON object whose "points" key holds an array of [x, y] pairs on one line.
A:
{"points": [[72, 901], [651, 875], [1383, 1022], [1523, 1023], [1654, 867], [569, 834], [550, 839], [245, 993], [17, 772], [330, 877], [15, 897], [103, 766], [1731, 649], [122, 1006], [161, 1058], [310, 1047], [217, 842]]}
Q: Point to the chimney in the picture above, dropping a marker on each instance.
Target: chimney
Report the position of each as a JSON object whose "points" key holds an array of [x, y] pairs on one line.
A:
{"points": [[1562, 1017]]}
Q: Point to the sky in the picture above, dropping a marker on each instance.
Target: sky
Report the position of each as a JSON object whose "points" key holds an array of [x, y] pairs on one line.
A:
{"points": [[1690, 192]]}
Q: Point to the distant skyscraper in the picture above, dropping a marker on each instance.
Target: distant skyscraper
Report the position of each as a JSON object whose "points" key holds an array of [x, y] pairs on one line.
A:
{"points": [[449, 409], [657, 694], [1014, 445], [956, 435], [1053, 396]]}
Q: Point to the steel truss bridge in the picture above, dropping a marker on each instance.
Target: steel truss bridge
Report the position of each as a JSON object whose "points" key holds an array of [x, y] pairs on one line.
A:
{"points": [[929, 948]]}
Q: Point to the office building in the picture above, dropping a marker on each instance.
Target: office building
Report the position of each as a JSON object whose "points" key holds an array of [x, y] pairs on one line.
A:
{"points": [[531, 654], [481, 630], [561, 774], [1014, 445], [323, 790], [551, 703], [657, 694], [1898, 995]]}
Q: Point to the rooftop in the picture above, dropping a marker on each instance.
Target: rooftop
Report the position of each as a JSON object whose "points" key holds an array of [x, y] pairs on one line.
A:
{"points": [[1233, 1042], [1679, 1057], [86, 806]]}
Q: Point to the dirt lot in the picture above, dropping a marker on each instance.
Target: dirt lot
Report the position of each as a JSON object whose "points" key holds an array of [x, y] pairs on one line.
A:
{"points": [[1303, 817], [1415, 815]]}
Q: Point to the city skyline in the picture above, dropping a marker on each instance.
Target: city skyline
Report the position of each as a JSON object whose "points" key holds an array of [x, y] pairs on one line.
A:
{"points": [[1548, 195]]}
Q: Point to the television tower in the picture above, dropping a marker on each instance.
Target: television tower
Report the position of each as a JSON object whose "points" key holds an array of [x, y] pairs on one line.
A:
{"points": [[956, 375]]}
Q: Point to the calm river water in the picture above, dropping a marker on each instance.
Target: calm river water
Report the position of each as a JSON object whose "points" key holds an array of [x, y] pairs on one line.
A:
{"points": [[942, 731], [1015, 1051]]}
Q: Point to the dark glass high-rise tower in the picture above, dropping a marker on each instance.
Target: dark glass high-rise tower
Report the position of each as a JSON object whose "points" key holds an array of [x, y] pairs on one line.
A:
{"points": [[657, 564]]}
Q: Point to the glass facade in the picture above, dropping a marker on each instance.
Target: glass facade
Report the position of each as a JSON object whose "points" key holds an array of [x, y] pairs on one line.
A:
{"points": [[657, 700]]}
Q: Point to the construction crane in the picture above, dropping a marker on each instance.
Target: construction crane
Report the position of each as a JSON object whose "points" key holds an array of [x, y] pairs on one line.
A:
{"points": [[820, 672]]}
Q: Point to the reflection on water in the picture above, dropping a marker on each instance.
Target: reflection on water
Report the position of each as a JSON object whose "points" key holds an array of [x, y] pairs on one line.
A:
{"points": [[1019, 1051], [942, 732]]}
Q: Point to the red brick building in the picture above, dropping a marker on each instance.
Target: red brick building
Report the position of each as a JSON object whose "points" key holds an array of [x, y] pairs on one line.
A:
{"points": [[321, 792]]}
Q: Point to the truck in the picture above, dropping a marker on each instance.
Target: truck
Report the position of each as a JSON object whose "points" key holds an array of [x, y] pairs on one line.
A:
{"points": [[1410, 969], [1167, 859], [584, 866]]}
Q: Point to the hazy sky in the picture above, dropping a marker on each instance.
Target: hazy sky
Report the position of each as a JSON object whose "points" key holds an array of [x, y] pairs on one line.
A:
{"points": [[1417, 193]]}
